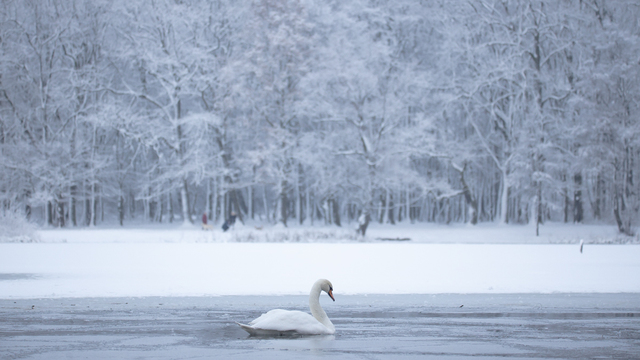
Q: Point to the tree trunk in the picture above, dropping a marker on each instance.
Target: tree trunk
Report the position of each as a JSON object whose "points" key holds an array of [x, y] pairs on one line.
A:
{"points": [[145, 208], [60, 213], [239, 204], [49, 213], [308, 203], [407, 211], [390, 207], [27, 207], [472, 202], [382, 209], [296, 194], [312, 215], [235, 204], [387, 209], [170, 206], [623, 183], [216, 200], [184, 197], [250, 201], [400, 208], [600, 196], [578, 212], [326, 213], [265, 202], [207, 205], [100, 199], [161, 211], [567, 204], [73, 192], [539, 218], [336, 212], [193, 202], [618, 205], [121, 210], [283, 203], [132, 205], [94, 207], [504, 198], [87, 211]]}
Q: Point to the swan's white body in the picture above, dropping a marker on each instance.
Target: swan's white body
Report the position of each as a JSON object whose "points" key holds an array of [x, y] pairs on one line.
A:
{"points": [[286, 322]]}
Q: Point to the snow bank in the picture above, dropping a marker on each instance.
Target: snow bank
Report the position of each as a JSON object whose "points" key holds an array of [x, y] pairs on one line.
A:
{"points": [[194, 234], [211, 269], [491, 233], [15, 228], [551, 233]]}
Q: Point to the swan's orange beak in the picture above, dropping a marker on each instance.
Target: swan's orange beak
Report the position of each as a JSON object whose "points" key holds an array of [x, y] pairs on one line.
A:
{"points": [[331, 295]]}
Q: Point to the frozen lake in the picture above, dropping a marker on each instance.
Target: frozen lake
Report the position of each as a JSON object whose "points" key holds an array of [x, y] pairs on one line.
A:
{"points": [[82, 270], [474, 326]]}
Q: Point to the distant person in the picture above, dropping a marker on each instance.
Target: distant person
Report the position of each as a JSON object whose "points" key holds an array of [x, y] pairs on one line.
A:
{"points": [[229, 222], [204, 223]]}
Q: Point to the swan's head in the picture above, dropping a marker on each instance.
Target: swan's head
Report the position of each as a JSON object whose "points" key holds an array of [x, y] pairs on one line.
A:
{"points": [[325, 285]]}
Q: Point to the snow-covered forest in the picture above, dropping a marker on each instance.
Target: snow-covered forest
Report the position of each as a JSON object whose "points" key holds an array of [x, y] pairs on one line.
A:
{"points": [[320, 111]]}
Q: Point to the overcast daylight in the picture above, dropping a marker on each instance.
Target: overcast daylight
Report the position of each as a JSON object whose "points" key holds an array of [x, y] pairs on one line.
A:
{"points": [[293, 179]]}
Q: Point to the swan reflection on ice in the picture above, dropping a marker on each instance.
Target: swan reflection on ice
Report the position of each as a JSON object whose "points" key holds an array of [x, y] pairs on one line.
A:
{"points": [[280, 322]]}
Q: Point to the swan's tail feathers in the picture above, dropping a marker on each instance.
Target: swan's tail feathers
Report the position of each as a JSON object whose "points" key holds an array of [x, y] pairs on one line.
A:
{"points": [[247, 328]]}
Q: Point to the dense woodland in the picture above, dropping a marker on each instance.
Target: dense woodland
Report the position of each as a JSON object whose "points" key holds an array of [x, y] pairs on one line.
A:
{"points": [[331, 112]]}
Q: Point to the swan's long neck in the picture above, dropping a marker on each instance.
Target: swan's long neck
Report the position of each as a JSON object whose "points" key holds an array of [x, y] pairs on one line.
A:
{"points": [[316, 310]]}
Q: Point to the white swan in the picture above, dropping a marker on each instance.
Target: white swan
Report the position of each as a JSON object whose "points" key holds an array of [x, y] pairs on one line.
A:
{"points": [[286, 322]]}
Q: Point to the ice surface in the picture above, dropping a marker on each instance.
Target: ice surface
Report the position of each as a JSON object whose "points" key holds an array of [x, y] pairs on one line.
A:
{"points": [[478, 326]]}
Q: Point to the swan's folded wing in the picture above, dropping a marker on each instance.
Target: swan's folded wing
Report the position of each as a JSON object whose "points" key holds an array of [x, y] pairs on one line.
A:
{"points": [[262, 332], [288, 321]]}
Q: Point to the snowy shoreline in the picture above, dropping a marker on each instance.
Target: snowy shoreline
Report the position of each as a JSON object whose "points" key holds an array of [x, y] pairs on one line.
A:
{"points": [[551, 233]]}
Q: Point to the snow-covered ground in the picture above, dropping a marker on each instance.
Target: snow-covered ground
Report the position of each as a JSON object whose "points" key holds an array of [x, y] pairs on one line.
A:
{"points": [[186, 261], [551, 233]]}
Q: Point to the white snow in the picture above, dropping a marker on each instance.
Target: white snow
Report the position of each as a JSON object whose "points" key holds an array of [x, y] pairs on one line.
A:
{"points": [[147, 262], [486, 233]]}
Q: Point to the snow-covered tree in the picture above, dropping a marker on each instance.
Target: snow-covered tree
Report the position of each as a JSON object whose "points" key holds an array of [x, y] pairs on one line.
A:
{"points": [[508, 111], [167, 45]]}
